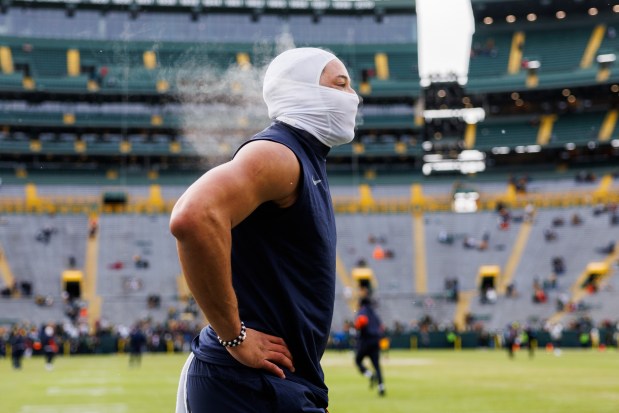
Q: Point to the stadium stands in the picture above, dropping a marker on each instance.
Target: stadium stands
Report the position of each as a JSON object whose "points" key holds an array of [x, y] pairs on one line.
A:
{"points": [[38, 248], [577, 245], [137, 259], [147, 69], [509, 132], [137, 269], [105, 113], [555, 51], [489, 53]]}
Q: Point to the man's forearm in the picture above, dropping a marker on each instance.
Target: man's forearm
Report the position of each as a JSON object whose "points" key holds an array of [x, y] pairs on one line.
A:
{"points": [[205, 261]]}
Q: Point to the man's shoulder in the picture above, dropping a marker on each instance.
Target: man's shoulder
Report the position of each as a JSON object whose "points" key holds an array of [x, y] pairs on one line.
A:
{"points": [[265, 150], [276, 140]]}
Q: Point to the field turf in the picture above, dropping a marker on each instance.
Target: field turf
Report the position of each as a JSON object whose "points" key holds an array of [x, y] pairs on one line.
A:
{"points": [[471, 381]]}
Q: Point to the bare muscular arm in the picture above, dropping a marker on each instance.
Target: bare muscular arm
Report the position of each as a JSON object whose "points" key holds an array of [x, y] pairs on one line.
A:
{"points": [[201, 222]]}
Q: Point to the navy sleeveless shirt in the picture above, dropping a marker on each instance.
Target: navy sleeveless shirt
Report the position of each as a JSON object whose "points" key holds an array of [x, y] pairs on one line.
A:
{"points": [[283, 267], [372, 332]]}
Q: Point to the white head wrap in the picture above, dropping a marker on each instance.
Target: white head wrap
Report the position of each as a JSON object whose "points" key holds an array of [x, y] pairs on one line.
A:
{"points": [[294, 96]]}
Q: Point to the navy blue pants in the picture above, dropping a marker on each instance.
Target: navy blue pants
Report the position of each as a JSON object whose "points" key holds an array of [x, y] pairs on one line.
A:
{"points": [[213, 389], [371, 349]]}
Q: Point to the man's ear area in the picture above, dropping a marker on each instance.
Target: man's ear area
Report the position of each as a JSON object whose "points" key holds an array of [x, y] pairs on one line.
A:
{"points": [[335, 75]]}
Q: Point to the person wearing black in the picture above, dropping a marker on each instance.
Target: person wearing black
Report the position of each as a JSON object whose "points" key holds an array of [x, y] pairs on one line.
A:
{"points": [[137, 341], [511, 337], [369, 332], [18, 347], [531, 340], [50, 348]]}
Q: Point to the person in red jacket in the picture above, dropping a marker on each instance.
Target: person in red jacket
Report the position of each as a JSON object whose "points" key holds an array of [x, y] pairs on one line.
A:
{"points": [[370, 330]]}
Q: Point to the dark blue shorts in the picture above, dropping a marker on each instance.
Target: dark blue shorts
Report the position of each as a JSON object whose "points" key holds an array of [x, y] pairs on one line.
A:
{"points": [[213, 388]]}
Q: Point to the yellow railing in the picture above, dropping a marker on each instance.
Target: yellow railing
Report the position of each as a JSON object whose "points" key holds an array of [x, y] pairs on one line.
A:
{"points": [[342, 204], [486, 202]]}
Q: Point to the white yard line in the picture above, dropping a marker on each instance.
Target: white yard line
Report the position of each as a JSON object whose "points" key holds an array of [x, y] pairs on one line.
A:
{"points": [[76, 408], [83, 391]]}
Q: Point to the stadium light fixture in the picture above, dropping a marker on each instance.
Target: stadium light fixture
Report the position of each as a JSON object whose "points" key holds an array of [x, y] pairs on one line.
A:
{"points": [[528, 148], [467, 162], [488, 20], [592, 11], [560, 15], [510, 18], [531, 17], [534, 64], [606, 58], [469, 115], [616, 8], [432, 157], [615, 143], [533, 148], [465, 202], [471, 155], [500, 150]]}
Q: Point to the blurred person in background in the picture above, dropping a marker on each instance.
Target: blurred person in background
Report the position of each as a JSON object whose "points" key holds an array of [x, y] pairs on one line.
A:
{"points": [[137, 343], [49, 345], [370, 331], [17, 340]]}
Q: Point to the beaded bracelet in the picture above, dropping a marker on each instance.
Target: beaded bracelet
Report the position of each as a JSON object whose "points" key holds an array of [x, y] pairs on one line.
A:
{"points": [[237, 341]]}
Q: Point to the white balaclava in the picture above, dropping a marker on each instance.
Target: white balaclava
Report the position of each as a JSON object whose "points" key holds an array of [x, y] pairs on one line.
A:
{"points": [[294, 96]]}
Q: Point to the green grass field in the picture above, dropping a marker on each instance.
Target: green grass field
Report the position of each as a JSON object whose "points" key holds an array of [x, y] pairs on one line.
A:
{"points": [[421, 382]]}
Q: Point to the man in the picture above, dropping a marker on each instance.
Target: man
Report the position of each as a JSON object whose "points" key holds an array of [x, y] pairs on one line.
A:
{"points": [[137, 342], [511, 338], [17, 339], [370, 331], [256, 240], [48, 342]]}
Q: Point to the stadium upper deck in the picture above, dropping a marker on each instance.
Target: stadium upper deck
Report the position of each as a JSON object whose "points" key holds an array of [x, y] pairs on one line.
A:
{"points": [[88, 87]]}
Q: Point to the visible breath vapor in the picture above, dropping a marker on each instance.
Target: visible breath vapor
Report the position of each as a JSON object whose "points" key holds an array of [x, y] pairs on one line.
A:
{"points": [[222, 107]]}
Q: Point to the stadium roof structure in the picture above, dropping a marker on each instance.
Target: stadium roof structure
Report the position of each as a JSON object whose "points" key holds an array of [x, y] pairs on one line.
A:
{"points": [[542, 8], [263, 6]]}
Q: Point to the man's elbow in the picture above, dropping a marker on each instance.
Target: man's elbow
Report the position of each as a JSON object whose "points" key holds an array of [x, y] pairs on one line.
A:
{"points": [[189, 221], [183, 220]]}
